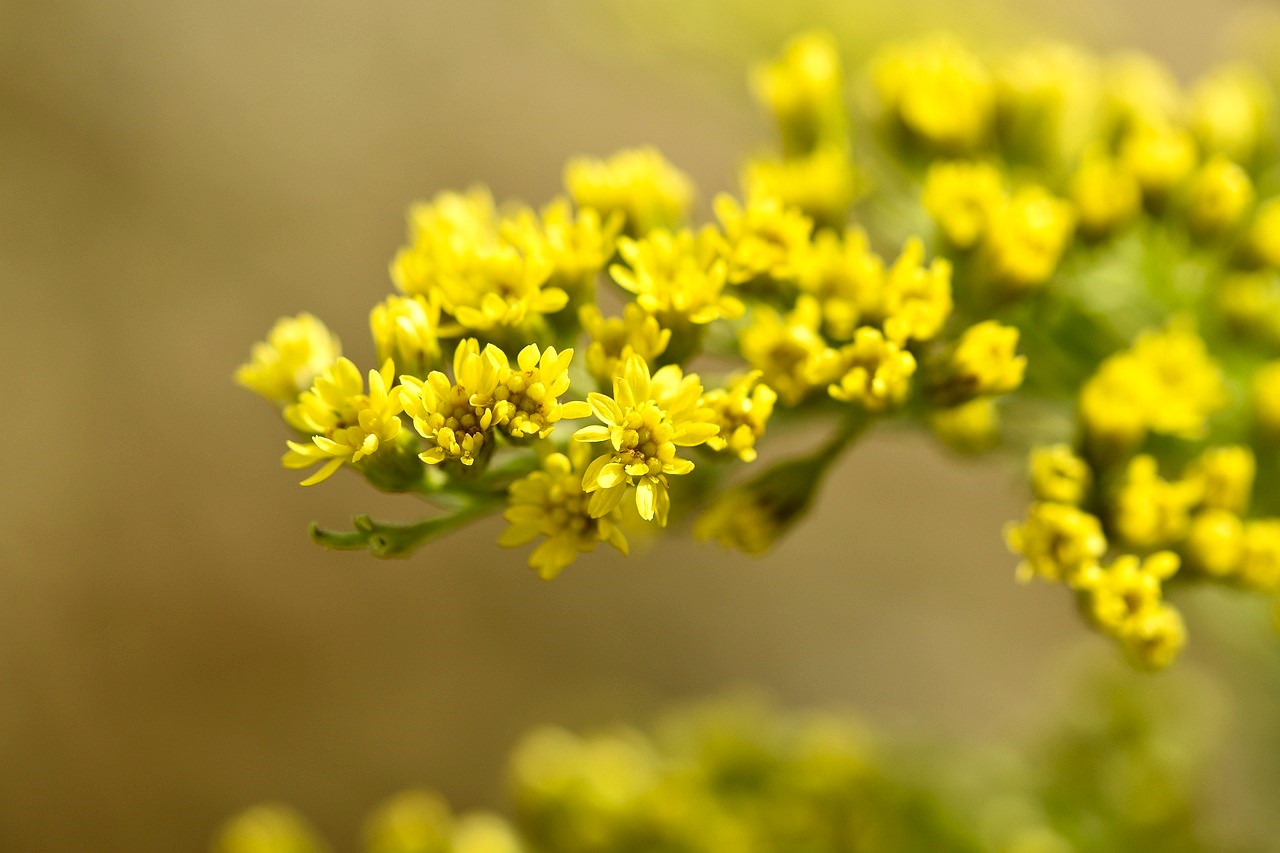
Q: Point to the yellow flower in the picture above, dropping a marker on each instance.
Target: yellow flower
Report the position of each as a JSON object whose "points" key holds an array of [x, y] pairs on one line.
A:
{"points": [[1260, 563], [790, 351], [1264, 233], [1128, 588], [1047, 100], [1154, 637], [875, 371], [525, 398], [804, 89], [1149, 511], [1058, 475], [1219, 198], [1250, 302], [647, 420], [971, 427], [985, 361], [1159, 154], [678, 275], [550, 502], [296, 351], [648, 191], [1230, 110], [1138, 88], [1057, 542], [845, 277], [442, 410], [962, 196], [741, 411], [1224, 477], [481, 832], [752, 517], [1266, 399], [821, 184], [1027, 237], [269, 829], [577, 245], [1105, 193], [415, 821], [938, 91], [1215, 542], [450, 226], [915, 301], [344, 423], [501, 287], [406, 330], [765, 238]]}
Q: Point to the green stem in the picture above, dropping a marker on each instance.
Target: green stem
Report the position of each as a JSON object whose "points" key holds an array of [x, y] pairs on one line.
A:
{"points": [[391, 539]]}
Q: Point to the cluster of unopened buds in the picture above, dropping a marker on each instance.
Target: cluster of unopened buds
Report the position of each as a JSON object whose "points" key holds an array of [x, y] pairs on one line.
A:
{"points": [[1044, 249]]}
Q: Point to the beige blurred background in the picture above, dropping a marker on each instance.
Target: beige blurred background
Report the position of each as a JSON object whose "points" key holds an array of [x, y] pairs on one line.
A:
{"points": [[173, 177]]}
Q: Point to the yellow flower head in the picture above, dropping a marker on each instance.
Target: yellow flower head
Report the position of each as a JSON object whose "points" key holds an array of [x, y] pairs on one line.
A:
{"points": [[345, 424], [875, 372], [1220, 196], [1127, 588], [551, 503], [1149, 511], [741, 411], [646, 421], [442, 232], [614, 339], [971, 427], [821, 184], [1057, 542], [1260, 564], [1230, 111], [804, 89], [1250, 302], [789, 350], [1266, 399], [1264, 233], [639, 183], [483, 832], [1058, 475], [577, 245], [442, 410], [296, 351], [268, 829], [1215, 542], [1105, 194], [1047, 99], [502, 287], [1028, 234], [1138, 88], [1224, 477], [937, 90], [1159, 154], [680, 275], [411, 821], [915, 301], [525, 398], [985, 361], [406, 329], [1154, 637], [765, 238], [962, 196], [846, 278]]}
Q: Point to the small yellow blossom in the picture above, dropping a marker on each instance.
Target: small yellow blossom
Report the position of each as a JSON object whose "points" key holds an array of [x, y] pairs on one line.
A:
{"points": [[971, 427], [1047, 98], [577, 245], [296, 351], [639, 183], [344, 423], [1058, 475], [804, 89], [875, 372], [406, 329], [1260, 563], [482, 832], [647, 420], [741, 411], [1224, 477], [1127, 588], [1266, 399], [1250, 303], [441, 231], [985, 361], [1219, 198], [1149, 511], [1138, 88], [1105, 193], [846, 278], [550, 502], [962, 196], [821, 184], [915, 300], [1159, 154], [1027, 236], [614, 339], [740, 520], [677, 275], [1215, 542], [1264, 233], [789, 350], [938, 91], [442, 410], [269, 829], [525, 398], [1154, 637], [1230, 110], [502, 287], [764, 238], [1057, 542], [415, 821]]}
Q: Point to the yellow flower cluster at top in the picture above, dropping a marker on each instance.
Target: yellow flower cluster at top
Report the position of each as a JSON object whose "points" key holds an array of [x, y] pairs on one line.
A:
{"points": [[1000, 244]]}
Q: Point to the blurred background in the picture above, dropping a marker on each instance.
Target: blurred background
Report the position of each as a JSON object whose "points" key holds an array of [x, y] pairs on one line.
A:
{"points": [[174, 176]]}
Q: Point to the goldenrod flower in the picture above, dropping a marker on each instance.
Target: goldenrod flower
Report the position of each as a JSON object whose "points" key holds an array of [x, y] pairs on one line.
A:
{"points": [[1215, 542], [874, 371], [1058, 475], [790, 351], [1250, 303], [915, 300], [752, 517], [962, 196], [846, 278], [1224, 477], [406, 329], [938, 91], [1159, 154], [647, 420], [577, 245], [1230, 110], [763, 239], [821, 184], [1137, 88], [680, 275], [550, 502], [409, 822], [1047, 100], [615, 339], [1127, 588], [804, 89], [525, 398], [1149, 511], [345, 424], [296, 351], [1057, 542], [442, 410], [502, 287], [449, 227], [1265, 398], [482, 832], [1105, 193], [1219, 197], [1264, 233], [1154, 637], [741, 411], [647, 190], [970, 427], [1260, 563], [985, 361], [269, 829], [1027, 236]]}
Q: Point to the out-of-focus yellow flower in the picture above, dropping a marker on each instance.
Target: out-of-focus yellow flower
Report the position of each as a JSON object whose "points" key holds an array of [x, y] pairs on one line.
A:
{"points": [[1160, 155], [501, 288], [1105, 193], [1266, 399], [1154, 637], [268, 829], [450, 226], [415, 821], [1138, 88], [1215, 542], [1128, 587], [1047, 100], [1224, 477], [938, 91], [1058, 475], [845, 277], [577, 245], [647, 420], [985, 361], [971, 427], [1057, 542], [1260, 563], [551, 503], [1219, 198], [1028, 234], [406, 329], [679, 276], [296, 351], [764, 238], [614, 339], [482, 832], [875, 372], [752, 517], [789, 350], [741, 410], [1250, 302], [1230, 109], [640, 183], [804, 89], [962, 196], [1149, 511], [442, 411], [344, 423], [821, 184], [1264, 233], [915, 300]]}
